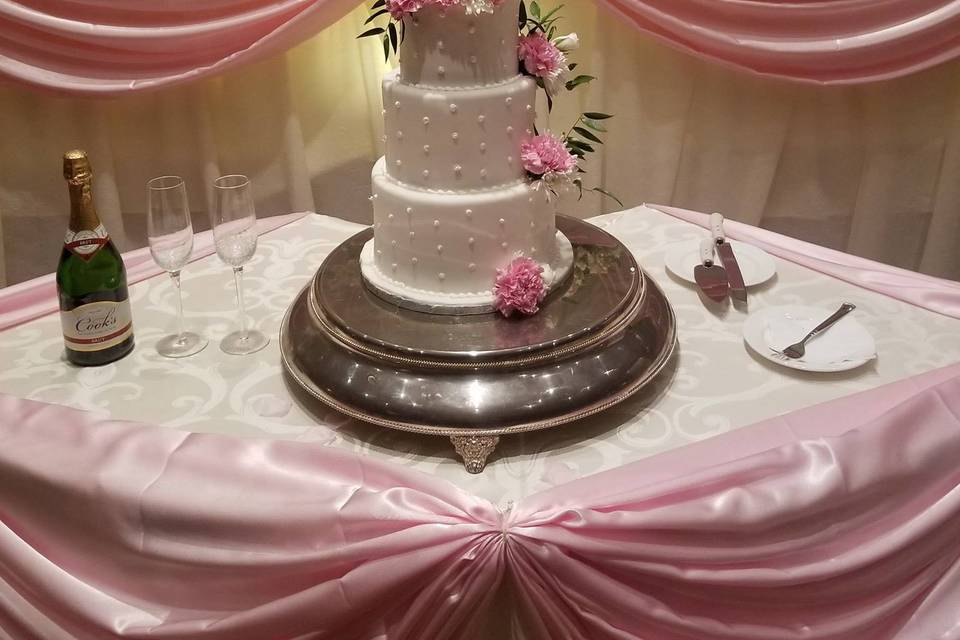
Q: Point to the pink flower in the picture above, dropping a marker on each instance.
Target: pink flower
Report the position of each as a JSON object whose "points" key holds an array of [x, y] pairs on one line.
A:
{"points": [[399, 8], [519, 287], [541, 58], [546, 154]]}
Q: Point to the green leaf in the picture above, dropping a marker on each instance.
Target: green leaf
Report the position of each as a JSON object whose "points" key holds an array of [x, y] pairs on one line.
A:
{"points": [[580, 144], [579, 80], [572, 66], [586, 134], [394, 37], [593, 124], [386, 49], [376, 15], [535, 9], [580, 153], [371, 32], [523, 14], [593, 115], [608, 194], [378, 4]]}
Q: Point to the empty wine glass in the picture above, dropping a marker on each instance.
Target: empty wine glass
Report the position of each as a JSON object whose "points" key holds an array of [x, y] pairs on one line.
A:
{"points": [[234, 224], [170, 235]]}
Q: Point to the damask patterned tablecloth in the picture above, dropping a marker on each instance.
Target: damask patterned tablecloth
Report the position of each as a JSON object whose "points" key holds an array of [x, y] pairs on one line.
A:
{"points": [[713, 385]]}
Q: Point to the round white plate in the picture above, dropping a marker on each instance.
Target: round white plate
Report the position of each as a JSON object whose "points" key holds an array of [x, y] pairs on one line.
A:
{"points": [[756, 265], [846, 345]]}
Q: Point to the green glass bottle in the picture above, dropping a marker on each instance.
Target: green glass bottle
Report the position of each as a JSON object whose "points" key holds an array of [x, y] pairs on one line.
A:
{"points": [[91, 278]]}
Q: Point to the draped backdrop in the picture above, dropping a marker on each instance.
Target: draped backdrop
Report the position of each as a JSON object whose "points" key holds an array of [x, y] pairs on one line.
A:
{"points": [[844, 130]]}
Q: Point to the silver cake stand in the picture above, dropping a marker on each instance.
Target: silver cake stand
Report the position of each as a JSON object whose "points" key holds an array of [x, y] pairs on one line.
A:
{"points": [[599, 338]]}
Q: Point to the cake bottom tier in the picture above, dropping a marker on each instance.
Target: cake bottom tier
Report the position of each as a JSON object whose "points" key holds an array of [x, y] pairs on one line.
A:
{"points": [[441, 251]]}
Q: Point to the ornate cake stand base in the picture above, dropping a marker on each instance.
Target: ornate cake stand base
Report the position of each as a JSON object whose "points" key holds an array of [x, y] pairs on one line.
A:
{"points": [[599, 338]]}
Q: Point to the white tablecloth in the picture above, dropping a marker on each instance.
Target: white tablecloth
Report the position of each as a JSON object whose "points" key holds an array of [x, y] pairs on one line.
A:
{"points": [[713, 385]]}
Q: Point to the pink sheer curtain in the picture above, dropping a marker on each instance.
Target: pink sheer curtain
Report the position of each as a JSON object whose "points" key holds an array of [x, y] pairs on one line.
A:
{"points": [[839, 522], [115, 46]]}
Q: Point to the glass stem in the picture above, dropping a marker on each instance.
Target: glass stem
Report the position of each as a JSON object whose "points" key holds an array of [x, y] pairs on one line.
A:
{"points": [[175, 276], [238, 278]]}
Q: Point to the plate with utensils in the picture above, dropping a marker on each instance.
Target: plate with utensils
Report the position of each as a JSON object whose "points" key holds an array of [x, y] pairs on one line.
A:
{"points": [[810, 338]]}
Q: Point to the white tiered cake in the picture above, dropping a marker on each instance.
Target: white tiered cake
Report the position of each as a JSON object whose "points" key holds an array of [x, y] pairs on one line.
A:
{"points": [[452, 202]]}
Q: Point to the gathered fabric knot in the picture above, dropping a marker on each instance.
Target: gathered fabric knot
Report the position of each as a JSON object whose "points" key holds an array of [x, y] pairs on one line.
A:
{"points": [[504, 519]]}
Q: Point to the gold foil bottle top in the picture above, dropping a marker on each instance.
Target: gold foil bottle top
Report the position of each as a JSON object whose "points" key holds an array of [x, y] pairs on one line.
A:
{"points": [[76, 167]]}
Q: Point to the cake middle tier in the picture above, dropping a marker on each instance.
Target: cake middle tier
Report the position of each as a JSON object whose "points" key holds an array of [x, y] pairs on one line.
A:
{"points": [[457, 139]]}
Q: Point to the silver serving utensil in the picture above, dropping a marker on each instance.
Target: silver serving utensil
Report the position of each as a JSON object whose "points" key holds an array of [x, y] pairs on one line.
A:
{"points": [[738, 289], [710, 277], [799, 349]]}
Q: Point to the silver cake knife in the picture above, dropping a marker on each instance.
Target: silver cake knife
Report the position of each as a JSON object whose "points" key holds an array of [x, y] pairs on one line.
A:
{"points": [[738, 291]]}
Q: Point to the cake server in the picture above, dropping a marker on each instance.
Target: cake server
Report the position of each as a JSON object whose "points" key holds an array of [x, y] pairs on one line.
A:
{"points": [[737, 289], [710, 277]]}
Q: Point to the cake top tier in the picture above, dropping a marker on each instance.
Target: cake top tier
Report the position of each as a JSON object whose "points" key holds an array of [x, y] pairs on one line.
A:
{"points": [[447, 48]]}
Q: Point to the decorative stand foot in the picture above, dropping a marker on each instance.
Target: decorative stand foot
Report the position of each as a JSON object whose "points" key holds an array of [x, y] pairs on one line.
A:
{"points": [[474, 450]]}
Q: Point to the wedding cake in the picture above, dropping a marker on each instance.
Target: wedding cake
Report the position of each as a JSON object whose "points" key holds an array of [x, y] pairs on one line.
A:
{"points": [[453, 202]]}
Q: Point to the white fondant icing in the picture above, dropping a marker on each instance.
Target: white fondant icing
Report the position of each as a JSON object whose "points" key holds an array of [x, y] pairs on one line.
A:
{"points": [[449, 243], [450, 139], [431, 57]]}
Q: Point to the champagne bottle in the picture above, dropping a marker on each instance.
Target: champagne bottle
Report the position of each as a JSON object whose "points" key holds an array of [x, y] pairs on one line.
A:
{"points": [[91, 278]]}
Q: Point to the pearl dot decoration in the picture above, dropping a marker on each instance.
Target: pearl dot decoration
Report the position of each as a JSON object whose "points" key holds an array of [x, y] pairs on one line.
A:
{"points": [[426, 149], [502, 222], [436, 224], [379, 252], [439, 248], [469, 213], [505, 245], [473, 59], [393, 243], [394, 266], [454, 108], [399, 163], [483, 173], [414, 261], [472, 30], [455, 136], [509, 159], [442, 276], [390, 217], [426, 173], [481, 118], [399, 135], [440, 45], [413, 234], [529, 108], [509, 102], [458, 170], [509, 131], [471, 242], [426, 121], [441, 71], [397, 104], [472, 267], [483, 147], [409, 211]]}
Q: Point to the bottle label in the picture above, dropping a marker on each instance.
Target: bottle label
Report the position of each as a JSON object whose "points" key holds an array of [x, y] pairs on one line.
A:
{"points": [[85, 243], [96, 326]]}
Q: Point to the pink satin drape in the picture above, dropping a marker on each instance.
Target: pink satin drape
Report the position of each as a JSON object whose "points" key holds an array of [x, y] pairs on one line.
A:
{"points": [[114, 46], [839, 522]]}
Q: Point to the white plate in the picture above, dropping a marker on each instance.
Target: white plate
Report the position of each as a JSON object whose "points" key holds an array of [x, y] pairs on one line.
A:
{"points": [[845, 345], [756, 265]]}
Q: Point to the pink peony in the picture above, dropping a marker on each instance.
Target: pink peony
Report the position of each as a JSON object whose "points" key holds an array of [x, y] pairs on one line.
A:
{"points": [[546, 154], [541, 58], [519, 287], [399, 8]]}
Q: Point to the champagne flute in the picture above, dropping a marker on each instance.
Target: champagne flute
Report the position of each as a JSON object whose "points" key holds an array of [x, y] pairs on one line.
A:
{"points": [[170, 235], [234, 224]]}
